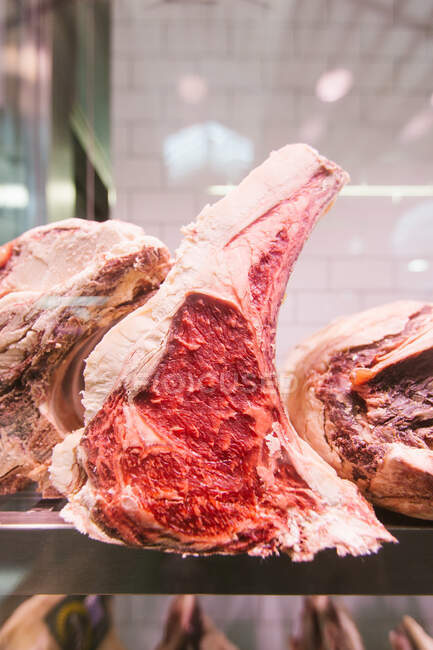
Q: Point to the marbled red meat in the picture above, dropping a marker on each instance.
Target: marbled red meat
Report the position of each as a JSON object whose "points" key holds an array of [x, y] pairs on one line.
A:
{"points": [[202, 395], [187, 445]]}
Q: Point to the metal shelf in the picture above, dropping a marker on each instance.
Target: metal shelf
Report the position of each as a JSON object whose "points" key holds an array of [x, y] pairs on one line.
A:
{"points": [[42, 554]]}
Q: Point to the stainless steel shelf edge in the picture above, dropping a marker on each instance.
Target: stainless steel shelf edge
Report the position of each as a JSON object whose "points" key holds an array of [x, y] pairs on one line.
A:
{"points": [[33, 520], [55, 560]]}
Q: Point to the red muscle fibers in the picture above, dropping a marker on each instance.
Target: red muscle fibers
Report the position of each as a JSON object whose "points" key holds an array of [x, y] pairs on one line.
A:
{"points": [[199, 404]]}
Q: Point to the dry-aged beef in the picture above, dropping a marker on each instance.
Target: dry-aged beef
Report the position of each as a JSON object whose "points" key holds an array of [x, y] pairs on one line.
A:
{"points": [[326, 625], [187, 445], [61, 286], [363, 399], [188, 628]]}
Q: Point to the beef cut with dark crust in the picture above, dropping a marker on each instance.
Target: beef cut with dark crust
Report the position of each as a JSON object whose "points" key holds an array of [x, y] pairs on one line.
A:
{"points": [[187, 446], [61, 286], [363, 399]]}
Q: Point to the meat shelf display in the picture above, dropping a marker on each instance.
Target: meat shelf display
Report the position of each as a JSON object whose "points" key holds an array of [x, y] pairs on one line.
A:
{"points": [[43, 554], [210, 467], [186, 445]]}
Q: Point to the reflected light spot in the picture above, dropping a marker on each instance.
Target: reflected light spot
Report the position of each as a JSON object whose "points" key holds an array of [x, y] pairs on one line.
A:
{"points": [[220, 190], [209, 145], [312, 129], [192, 88], [418, 266], [61, 192], [28, 62], [356, 246], [14, 196], [334, 84], [112, 197], [395, 192], [9, 60], [417, 126]]}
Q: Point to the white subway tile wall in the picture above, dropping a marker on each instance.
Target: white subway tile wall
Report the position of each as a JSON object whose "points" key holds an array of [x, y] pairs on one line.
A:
{"points": [[257, 65]]}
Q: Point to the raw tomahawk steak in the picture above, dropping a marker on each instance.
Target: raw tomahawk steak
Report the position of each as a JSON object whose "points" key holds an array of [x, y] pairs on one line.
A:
{"points": [[364, 402], [61, 286], [187, 445]]}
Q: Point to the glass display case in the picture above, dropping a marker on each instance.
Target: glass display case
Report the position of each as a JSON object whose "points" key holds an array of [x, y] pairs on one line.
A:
{"points": [[147, 110]]}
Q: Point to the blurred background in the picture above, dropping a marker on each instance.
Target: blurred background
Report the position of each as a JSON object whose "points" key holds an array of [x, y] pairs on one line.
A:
{"points": [[247, 623], [146, 110], [267, 622]]}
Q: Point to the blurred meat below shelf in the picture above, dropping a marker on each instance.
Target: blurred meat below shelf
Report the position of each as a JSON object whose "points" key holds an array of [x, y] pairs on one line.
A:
{"points": [[409, 635], [188, 628], [61, 623], [326, 626]]}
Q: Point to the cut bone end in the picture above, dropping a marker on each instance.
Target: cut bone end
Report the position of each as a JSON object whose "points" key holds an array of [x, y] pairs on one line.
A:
{"points": [[410, 470]]}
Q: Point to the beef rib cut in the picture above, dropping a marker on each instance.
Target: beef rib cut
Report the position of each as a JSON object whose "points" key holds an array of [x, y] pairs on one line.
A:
{"points": [[187, 445], [61, 286], [364, 402]]}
